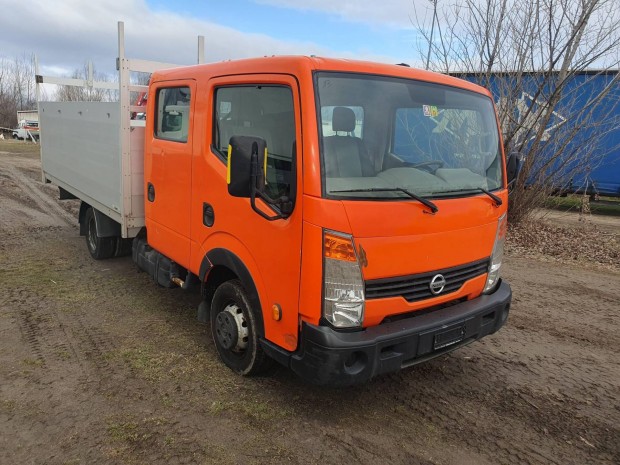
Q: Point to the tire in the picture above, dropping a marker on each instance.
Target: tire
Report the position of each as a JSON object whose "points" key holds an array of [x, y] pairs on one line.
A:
{"points": [[234, 327], [100, 248]]}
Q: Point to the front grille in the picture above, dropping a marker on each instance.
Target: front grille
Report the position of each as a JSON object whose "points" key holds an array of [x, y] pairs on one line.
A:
{"points": [[416, 287]]}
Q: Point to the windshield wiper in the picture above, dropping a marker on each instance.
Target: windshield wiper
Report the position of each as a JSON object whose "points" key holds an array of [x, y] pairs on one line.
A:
{"points": [[422, 200], [495, 198], [498, 201]]}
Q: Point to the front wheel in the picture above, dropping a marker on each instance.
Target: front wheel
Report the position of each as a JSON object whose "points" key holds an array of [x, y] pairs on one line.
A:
{"points": [[234, 328]]}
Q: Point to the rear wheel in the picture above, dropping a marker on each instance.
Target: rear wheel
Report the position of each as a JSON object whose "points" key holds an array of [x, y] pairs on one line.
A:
{"points": [[234, 328], [99, 247]]}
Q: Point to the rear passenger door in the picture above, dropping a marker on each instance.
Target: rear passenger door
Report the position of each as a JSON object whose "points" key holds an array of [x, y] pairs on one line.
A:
{"points": [[168, 168]]}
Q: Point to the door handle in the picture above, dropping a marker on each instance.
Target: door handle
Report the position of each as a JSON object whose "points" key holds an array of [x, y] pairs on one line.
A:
{"points": [[208, 214], [150, 192]]}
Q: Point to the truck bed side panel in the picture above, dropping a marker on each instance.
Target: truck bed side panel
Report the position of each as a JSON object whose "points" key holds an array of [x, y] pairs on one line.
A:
{"points": [[81, 152], [80, 146]]}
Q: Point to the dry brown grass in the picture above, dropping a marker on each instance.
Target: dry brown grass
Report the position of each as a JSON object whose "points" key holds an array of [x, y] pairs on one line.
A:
{"points": [[587, 245], [19, 147]]}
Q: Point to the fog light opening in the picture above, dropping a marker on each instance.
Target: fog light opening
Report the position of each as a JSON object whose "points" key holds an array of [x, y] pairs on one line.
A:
{"points": [[355, 362], [505, 313]]}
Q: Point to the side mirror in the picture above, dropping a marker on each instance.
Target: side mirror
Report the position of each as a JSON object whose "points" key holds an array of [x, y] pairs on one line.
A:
{"points": [[172, 122], [513, 167], [241, 152], [247, 168]]}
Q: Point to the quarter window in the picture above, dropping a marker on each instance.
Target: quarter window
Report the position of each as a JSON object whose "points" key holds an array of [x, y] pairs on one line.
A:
{"points": [[172, 119]]}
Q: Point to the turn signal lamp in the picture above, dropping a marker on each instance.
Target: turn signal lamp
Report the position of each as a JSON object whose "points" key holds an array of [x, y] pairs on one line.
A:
{"points": [[343, 285], [497, 255], [338, 247]]}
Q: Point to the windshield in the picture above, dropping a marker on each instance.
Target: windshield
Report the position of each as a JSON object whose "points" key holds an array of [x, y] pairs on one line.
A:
{"points": [[382, 135]]}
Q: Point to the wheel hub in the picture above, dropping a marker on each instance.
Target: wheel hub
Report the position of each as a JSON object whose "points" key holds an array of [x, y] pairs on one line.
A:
{"points": [[231, 329]]}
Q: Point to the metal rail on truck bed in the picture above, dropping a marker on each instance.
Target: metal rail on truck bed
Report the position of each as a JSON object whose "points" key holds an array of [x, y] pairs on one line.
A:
{"points": [[95, 150]]}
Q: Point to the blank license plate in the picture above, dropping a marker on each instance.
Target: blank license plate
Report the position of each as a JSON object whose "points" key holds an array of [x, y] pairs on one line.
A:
{"points": [[448, 337]]}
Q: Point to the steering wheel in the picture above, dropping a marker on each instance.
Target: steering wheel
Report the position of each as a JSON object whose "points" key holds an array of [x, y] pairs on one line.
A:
{"points": [[426, 165]]}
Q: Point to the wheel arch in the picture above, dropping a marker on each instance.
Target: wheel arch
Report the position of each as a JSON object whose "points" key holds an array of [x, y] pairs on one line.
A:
{"points": [[81, 218], [220, 265], [106, 226]]}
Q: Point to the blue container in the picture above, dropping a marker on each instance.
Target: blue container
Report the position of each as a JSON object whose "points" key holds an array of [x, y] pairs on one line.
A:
{"points": [[587, 138]]}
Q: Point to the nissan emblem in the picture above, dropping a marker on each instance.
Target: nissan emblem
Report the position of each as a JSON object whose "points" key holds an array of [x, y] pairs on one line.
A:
{"points": [[437, 284]]}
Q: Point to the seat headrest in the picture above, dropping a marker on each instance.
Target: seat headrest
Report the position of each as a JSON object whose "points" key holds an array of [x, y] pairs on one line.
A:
{"points": [[343, 119]]}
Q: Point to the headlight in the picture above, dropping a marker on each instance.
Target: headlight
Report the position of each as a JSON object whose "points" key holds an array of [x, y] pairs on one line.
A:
{"points": [[497, 255], [343, 286]]}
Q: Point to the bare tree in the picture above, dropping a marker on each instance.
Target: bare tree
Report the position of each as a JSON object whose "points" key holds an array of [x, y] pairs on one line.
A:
{"points": [[540, 58], [7, 103], [17, 87], [23, 81], [86, 93]]}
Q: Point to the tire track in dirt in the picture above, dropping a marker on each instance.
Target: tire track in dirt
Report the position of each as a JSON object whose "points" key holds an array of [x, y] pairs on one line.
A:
{"points": [[63, 343], [25, 206], [57, 341], [477, 402], [45, 333], [42, 200]]}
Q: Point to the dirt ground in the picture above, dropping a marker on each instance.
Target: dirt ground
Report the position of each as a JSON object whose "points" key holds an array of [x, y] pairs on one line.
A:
{"points": [[99, 365]]}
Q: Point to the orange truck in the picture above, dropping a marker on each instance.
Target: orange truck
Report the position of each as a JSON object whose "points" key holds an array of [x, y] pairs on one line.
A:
{"points": [[343, 218]]}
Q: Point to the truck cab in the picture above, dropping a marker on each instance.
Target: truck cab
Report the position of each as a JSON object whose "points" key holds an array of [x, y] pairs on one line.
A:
{"points": [[343, 218]]}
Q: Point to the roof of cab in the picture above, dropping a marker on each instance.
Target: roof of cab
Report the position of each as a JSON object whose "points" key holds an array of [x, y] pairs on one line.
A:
{"points": [[298, 65]]}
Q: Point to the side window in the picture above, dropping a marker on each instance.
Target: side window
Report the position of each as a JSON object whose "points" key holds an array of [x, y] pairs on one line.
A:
{"points": [[259, 111], [327, 113], [172, 118]]}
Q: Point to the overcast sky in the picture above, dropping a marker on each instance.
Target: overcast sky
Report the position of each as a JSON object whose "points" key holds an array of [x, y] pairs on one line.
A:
{"points": [[65, 34]]}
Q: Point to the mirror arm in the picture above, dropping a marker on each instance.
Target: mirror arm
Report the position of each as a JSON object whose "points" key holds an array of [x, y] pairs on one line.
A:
{"points": [[518, 162], [254, 192]]}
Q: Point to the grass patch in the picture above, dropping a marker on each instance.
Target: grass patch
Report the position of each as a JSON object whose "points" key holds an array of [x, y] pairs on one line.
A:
{"points": [[130, 431], [256, 410], [48, 279], [32, 362], [131, 439], [608, 206], [124, 432], [63, 354], [7, 406], [19, 147], [72, 462], [157, 366]]}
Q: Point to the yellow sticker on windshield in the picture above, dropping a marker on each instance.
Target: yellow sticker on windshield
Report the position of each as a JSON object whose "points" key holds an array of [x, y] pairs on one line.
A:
{"points": [[430, 110]]}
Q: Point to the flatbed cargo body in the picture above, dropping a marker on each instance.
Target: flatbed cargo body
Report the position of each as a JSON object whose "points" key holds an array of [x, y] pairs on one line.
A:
{"points": [[81, 152]]}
